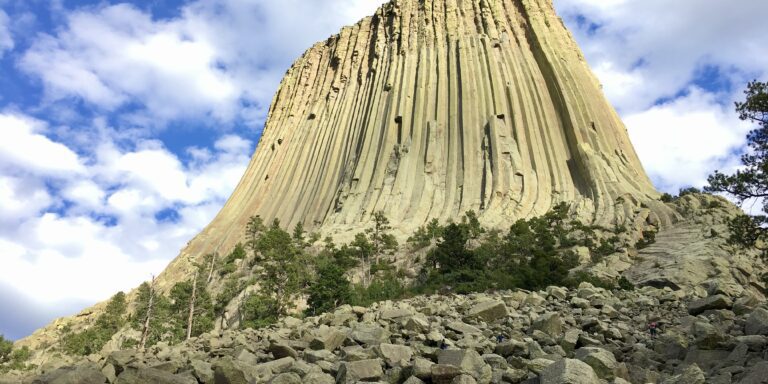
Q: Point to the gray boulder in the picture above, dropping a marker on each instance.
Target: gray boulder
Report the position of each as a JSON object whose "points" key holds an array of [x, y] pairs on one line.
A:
{"points": [[757, 322], [603, 362], [488, 310], [72, 375], [709, 303], [363, 370], [568, 371]]}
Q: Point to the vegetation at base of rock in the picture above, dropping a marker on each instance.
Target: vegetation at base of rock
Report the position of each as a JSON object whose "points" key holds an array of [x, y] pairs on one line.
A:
{"points": [[92, 339], [749, 182], [13, 358]]}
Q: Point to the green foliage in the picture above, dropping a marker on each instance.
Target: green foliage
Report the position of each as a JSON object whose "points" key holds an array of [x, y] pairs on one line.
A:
{"points": [[749, 182], [329, 290], [625, 285], [584, 277], [386, 287], [667, 198], [688, 191], [649, 237], [228, 265], [531, 255], [92, 339], [746, 230], [11, 358], [6, 346], [230, 289], [258, 311], [160, 325], [203, 316]]}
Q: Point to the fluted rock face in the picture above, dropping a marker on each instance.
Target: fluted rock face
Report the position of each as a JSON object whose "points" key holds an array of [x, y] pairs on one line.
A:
{"points": [[431, 108]]}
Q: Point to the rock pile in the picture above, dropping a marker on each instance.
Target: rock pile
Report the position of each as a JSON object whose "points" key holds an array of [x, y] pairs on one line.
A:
{"points": [[585, 335]]}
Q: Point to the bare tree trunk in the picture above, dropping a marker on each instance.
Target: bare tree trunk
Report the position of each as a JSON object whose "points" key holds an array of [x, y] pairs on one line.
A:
{"points": [[192, 307], [210, 269], [149, 314]]}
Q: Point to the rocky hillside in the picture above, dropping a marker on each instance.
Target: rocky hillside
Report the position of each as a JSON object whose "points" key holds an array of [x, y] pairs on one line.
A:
{"points": [[584, 335]]}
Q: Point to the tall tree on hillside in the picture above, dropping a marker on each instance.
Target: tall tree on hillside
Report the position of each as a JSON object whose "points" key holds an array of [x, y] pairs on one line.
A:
{"points": [[751, 181], [148, 315]]}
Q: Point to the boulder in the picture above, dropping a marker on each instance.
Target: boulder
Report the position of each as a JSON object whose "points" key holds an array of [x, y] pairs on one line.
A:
{"points": [[469, 361], [369, 334], [444, 374], [392, 354], [757, 374], [691, 374], [568, 371], [549, 323], [227, 372], [329, 339], [280, 350], [392, 314], [72, 375], [151, 375], [603, 362], [318, 378], [709, 303], [757, 322], [363, 370], [463, 328], [286, 378], [488, 310]]}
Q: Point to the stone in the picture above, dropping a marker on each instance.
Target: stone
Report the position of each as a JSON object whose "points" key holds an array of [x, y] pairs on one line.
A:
{"points": [[369, 334], [444, 373], [469, 361], [202, 370], [328, 340], [72, 375], [151, 375], [318, 378], [393, 354], [463, 379], [603, 362], [691, 374], [549, 323], [363, 370], [757, 323], [463, 328], [709, 303], [568, 371], [510, 348], [226, 372], [286, 378], [280, 350], [757, 374], [491, 310], [392, 314]]}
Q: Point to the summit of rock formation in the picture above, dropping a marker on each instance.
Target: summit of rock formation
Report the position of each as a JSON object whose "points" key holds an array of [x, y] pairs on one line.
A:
{"points": [[429, 109]]}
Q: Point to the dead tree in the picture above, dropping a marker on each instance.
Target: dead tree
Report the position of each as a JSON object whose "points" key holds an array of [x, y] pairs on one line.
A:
{"points": [[210, 268], [192, 307], [145, 334]]}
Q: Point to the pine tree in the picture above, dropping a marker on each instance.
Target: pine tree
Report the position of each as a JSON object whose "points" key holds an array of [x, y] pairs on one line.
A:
{"points": [[750, 182]]}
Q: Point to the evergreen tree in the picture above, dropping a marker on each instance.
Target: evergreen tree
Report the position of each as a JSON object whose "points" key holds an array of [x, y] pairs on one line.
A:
{"points": [[330, 289], [750, 182], [179, 305]]}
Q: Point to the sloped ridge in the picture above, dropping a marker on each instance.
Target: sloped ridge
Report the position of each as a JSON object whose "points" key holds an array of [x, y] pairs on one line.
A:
{"points": [[429, 109]]}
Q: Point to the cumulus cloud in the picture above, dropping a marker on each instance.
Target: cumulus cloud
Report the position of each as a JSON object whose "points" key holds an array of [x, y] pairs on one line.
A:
{"points": [[220, 59], [102, 225], [644, 51], [683, 141]]}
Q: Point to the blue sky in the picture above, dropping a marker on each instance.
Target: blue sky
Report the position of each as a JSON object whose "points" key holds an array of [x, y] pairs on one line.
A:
{"points": [[124, 126]]}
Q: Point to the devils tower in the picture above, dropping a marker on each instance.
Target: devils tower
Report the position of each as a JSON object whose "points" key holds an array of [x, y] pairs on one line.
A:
{"points": [[429, 109]]}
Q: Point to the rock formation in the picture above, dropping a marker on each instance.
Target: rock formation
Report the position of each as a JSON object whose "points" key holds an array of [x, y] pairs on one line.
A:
{"points": [[429, 109]]}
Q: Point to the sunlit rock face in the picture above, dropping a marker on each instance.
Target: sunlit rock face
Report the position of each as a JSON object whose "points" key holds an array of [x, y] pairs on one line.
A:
{"points": [[432, 108]]}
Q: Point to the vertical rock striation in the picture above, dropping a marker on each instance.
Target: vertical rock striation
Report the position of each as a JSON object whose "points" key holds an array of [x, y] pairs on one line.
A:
{"points": [[431, 108]]}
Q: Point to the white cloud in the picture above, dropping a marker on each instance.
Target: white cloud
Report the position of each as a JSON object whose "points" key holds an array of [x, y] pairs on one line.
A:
{"points": [[218, 56], [647, 50], [98, 226], [24, 147], [6, 40], [683, 141]]}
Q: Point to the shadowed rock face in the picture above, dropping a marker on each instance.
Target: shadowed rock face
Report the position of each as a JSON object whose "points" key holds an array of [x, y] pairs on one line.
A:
{"points": [[429, 109]]}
